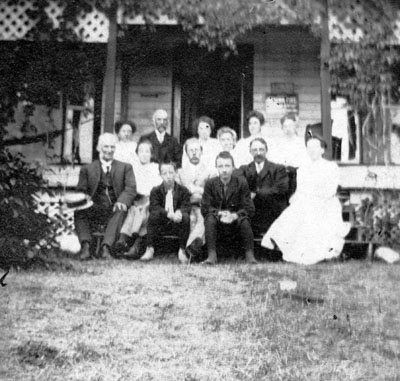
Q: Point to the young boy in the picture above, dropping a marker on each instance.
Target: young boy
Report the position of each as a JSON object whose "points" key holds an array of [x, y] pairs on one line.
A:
{"points": [[169, 212]]}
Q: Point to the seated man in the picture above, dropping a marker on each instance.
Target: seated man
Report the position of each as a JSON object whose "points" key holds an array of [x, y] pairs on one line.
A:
{"points": [[169, 212], [227, 207], [268, 183], [193, 176], [111, 186]]}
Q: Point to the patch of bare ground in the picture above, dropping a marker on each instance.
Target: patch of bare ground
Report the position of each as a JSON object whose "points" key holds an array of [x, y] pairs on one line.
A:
{"points": [[116, 320]]}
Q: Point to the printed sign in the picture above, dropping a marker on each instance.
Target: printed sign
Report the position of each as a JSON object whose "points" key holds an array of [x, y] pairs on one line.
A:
{"points": [[276, 105]]}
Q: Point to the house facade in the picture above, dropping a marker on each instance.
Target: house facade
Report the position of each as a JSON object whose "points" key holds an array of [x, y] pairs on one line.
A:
{"points": [[275, 69]]}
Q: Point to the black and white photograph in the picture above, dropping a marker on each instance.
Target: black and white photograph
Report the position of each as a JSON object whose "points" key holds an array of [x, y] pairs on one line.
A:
{"points": [[200, 190]]}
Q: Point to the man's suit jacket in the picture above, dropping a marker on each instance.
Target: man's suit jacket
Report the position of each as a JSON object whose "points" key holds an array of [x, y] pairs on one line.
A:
{"points": [[181, 200], [168, 150], [270, 187], [123, 180], [237, 198]]}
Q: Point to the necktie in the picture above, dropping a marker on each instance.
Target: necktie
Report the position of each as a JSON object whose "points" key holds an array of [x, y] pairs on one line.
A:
{"points": [[169, 202], [108, 182]]}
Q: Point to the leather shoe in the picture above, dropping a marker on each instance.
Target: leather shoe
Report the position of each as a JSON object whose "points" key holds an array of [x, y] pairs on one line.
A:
{"points": [[195, 250], [105, 252], [85, 251], [148, 255], [182, 257], [133, 252], [250, 258], [211, 259], [121, 246]]}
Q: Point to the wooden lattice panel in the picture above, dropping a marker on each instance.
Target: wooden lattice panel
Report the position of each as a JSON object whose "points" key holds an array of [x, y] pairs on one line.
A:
{"points": [[93, 27], [15, 22], [53, 207]]}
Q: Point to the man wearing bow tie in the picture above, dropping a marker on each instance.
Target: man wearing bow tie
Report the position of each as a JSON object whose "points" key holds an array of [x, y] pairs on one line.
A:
{"points": [[268, 183], [111, 185]]}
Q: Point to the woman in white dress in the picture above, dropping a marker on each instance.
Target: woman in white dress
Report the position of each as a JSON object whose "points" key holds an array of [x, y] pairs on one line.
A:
{"points": [[147, 176], [227, 138], [204, 126], [311, 229], [125, 149], [255, 121], [289, 149]]}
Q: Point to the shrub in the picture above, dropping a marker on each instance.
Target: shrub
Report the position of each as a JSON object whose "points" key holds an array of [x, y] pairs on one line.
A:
{"points": [[24, 232], [379, 218]]}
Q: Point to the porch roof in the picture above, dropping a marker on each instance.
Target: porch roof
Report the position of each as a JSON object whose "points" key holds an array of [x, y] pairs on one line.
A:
{"points": [[17, 22]]}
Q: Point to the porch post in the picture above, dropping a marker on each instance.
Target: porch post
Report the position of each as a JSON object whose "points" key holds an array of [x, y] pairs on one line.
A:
{"points": [[325, 81], [109, 80]]}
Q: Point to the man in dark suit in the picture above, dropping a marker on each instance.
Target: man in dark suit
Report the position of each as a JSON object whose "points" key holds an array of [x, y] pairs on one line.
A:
{"points": [[227, 208], [268, 183], [111, 185], [169, 212], [165, 147]]}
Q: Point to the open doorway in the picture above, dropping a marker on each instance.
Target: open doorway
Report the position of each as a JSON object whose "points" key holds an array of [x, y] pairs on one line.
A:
{"points": [[218, 84]]}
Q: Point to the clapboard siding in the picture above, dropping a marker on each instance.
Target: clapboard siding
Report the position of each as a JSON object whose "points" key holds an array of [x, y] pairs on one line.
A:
{"points": [[150, 88], [282, 58]]}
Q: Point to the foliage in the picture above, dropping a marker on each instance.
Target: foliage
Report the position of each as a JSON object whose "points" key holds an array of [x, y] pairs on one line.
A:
{"points": [[365, 65], [24, 233], [379, 218]]}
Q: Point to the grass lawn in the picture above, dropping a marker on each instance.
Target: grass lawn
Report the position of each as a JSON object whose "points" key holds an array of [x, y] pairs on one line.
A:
{"points": [[118, 320]]}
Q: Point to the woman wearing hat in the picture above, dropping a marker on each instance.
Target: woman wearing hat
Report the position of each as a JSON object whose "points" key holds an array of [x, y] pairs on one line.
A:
{"points": [[311, 228]]}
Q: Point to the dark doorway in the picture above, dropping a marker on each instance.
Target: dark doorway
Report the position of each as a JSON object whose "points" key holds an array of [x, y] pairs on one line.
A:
{"points": [[218, 84]]}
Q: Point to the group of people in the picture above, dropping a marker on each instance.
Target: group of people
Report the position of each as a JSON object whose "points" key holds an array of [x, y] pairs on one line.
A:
{"points": [[210, 191]]}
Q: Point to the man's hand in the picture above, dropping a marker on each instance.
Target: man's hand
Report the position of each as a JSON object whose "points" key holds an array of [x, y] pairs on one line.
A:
{"points": [[252, 195], [120, 206], [178, 216], [227, 217]]}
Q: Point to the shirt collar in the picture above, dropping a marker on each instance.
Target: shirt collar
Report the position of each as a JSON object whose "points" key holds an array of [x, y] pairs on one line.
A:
{"points": [[160, 135], [193, 167], [166, 190], [105, 164], [259, 167]]}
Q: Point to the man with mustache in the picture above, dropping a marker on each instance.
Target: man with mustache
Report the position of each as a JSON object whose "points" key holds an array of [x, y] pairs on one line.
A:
{"points": [[165, 147], [268, 183]]}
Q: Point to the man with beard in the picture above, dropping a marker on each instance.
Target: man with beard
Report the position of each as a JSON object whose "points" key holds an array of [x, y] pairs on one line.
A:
{"points": [[165, 147], [268, 183], [194, 176]]}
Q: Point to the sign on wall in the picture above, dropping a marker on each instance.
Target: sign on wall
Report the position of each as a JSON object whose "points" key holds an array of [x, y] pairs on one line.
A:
{"points": [[277, 105]]}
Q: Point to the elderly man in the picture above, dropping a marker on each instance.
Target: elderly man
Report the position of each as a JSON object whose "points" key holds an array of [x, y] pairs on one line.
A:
{"points": [[165, 147], [111, 186], [194, 176], [268, 183], [227, 208]]}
